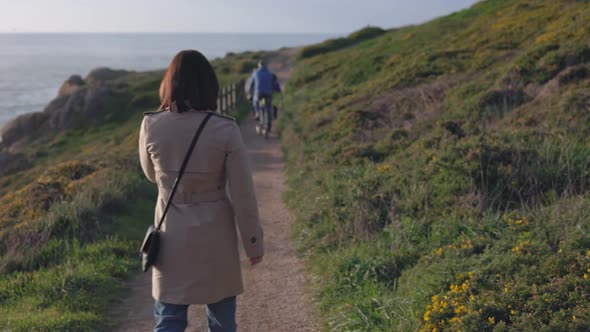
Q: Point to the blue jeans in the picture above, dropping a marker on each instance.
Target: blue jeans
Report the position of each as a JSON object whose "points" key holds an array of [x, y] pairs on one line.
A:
{"points": [[221, 316], [265, 116]]}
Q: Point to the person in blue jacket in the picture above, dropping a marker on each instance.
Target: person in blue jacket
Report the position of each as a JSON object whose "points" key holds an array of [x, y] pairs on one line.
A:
{"points": [[262, 87]]}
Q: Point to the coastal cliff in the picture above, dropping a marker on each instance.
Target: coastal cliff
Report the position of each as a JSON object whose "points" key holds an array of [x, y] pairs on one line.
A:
{"points": [[79, 104]]}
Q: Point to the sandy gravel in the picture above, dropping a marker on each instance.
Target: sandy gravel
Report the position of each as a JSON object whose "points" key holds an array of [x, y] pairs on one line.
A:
{"points": [[276, 298]]}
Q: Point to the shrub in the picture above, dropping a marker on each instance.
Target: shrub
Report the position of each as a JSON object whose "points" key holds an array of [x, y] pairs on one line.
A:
{"points": [[365, 33], [332, 45]]}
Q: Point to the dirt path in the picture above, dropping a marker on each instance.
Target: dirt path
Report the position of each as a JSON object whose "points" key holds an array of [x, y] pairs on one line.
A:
{"points": [[275, 299]]}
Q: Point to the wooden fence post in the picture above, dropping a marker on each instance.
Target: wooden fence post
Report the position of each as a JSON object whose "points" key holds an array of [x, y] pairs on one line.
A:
{"points": [[233, 95], [225, 105], [230, 96]]}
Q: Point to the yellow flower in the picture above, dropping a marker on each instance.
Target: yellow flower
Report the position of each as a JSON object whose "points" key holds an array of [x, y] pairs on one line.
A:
{"points": [[547, 37], [466, 245], [407, 36], [492, 320], [383, 168], [513, 312], [574, 317], [460, 309], [465, 286]]}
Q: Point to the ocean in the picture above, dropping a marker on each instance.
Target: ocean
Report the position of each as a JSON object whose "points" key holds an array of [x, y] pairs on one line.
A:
{"points": [[33, 66]]}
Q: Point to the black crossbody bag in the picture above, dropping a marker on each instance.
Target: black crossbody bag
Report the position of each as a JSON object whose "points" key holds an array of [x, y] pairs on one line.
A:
{"points": [[151, 243]]}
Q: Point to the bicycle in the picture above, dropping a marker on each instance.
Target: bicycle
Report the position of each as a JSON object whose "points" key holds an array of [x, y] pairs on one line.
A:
{"points": [[263, 127]]}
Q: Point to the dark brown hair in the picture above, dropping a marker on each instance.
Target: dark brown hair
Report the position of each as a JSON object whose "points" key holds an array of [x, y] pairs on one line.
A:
{"points": [[189, 82]]}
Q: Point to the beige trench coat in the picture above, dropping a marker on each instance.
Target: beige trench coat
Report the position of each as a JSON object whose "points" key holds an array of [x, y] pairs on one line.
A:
{"points": [[198, 262]]}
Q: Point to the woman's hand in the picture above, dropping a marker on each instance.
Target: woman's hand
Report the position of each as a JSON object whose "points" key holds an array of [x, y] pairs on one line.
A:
{"points": [[255, 260]]}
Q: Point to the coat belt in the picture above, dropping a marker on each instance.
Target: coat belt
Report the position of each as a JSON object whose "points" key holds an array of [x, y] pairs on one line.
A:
{"points": [[196, 197]]}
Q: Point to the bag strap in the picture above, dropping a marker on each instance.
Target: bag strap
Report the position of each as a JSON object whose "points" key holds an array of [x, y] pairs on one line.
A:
{"points": [[183, 167]]}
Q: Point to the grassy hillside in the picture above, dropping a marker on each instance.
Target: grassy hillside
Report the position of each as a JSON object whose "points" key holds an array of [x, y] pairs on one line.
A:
{"points": [[441, 172], [71, 225]]}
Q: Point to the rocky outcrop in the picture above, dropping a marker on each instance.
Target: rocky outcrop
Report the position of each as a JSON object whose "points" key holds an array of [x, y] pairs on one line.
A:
{"points": [[79, 102], [71, 85], [81, 108], [100, 75], [21, 127]]}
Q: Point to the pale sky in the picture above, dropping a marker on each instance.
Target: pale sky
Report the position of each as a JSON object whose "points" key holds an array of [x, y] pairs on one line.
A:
{"points": [[286, 16]]}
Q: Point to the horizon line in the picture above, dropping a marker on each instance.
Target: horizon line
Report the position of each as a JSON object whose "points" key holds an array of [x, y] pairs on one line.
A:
{"points": [[171, 32]]}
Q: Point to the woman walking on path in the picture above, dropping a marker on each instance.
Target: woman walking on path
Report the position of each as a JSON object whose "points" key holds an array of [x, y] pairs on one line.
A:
{"points": [[198, 260]]}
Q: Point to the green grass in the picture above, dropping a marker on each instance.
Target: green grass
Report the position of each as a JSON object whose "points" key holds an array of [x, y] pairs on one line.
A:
{"points": [[68, 296], [440, 173]]}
